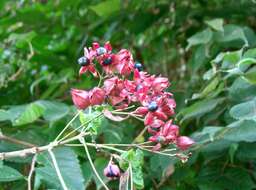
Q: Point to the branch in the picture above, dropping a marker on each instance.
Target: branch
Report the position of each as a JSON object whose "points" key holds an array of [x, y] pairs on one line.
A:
{"points": [[35, 150], [31, 172], [16, 141]]}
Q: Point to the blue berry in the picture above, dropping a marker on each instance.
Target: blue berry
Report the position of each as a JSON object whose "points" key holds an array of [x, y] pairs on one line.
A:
{"points": [[160, 139], [138, 87], [83, 61], [107, 61], [152, 106], [101, 51], [138, 66]]}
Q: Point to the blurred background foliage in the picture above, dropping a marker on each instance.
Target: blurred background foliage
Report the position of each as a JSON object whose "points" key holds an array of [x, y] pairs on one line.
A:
{"points": [[205, 48]]}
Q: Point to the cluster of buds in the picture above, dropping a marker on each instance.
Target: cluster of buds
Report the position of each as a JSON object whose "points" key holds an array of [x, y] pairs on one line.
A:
{"points": [[124, 84]]}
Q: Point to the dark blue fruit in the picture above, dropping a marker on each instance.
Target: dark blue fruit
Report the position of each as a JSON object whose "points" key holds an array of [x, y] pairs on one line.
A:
{"points": [[152, 106], [138, 66], [107, 61], [101, 51], [83, 61]]}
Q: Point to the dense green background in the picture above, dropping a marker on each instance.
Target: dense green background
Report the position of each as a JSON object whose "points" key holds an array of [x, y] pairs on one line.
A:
{"points": [[206, 48]]}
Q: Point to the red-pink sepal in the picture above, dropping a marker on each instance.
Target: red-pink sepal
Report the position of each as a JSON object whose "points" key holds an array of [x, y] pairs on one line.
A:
{"points": [[108, 46], [141, 111], [184, 142], [97, 96], [80, 98]]}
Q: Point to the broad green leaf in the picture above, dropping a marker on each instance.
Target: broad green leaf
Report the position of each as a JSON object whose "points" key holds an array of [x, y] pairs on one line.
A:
{"points": [[87, 173], [53, 110], [100, 164], [216, 24], [209, 88], [250, 75], [106, 8], [199, 108], [69, 168], [212, 178], [232, 151], [244, 130], [246, 151], [4, 115], [95, 124], [9, 174], [250, 53], [203, 37], [31, 113], [242, 90], [232, 33], [245, 63], [136, 160], [246, 110], [230, 59], [22, 39]]}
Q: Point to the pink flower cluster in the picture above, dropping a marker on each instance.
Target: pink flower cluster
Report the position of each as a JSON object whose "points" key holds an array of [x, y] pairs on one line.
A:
{"points": [[124, 84]]}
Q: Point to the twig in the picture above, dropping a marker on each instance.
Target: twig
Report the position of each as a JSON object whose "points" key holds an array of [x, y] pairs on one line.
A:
{"points": [[69, 123], [34, 150], [32, 168], [92, 165], [16, 141], [90, 120], [15, 75], [99, 146], [62, 182], [140, 134], [131, 176]]}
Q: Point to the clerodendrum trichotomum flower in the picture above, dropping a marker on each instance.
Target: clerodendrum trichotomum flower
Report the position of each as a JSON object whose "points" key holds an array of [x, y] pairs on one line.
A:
{"points": [[124, 85]]}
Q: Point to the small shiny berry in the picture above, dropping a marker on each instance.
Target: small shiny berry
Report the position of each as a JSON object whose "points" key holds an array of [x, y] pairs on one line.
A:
{"points": [[101, 51], [138, 87], [138, 66], [152, 106], [107, 61], [160, 139], [83, 61]]}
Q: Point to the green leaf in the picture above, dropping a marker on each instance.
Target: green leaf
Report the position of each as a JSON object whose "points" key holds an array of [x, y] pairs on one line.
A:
{"points": [[136, 160], [230, 59], [95, 124], [100, 164], [212, 178], [9, 174], [22, 39], [208, 89], [106, 8], [232, 33], [244, 130], [69, 168], [87, 173], [4, 115], [246, 151], [203, 37], [31, 113], [199, 108], [53, 110], [246, 110], [216, 24], [242, 90], [232, 150], [250, 75]]}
